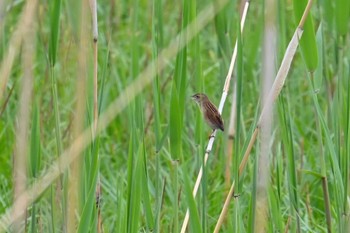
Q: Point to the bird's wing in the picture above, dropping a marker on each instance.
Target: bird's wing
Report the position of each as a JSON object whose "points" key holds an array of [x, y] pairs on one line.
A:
{"points": [[215, 117], [219, 121]]}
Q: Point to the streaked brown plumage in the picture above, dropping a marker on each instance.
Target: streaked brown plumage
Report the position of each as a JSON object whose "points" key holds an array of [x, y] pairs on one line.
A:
{"points": [[210, 113]]}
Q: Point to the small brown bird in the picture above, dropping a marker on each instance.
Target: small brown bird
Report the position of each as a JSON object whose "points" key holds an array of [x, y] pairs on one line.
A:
{"points": [[210, 113]]}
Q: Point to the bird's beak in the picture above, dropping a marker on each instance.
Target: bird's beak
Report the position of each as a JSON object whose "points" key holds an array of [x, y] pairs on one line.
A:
{"points": [[193, 97]]}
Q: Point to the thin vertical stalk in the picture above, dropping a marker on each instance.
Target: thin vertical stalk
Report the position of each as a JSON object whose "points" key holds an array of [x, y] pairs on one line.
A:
{"points": [[53, 45], [15, 43], [56, 111], [269, 49], [157, 39], [316, 84], [231, 138], [327, 203], [93, 6], [287, 141], [35, 157], [21, 153], [78, 121], [237, 146]]}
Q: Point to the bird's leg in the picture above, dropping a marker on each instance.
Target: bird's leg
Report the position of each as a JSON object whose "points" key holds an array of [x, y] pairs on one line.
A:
{"points": [[212, 134], [236, 195]]}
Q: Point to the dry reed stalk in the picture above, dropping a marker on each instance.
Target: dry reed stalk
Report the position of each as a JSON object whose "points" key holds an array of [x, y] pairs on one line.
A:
{"points": [[93, 7], [221, 106], [15, 43], [78, 121], [264, 159], [231, 138], [224, 212], [275, 90], [21, 149], [116, 107]]}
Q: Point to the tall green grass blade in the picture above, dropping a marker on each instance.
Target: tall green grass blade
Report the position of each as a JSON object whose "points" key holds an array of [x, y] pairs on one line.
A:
{"points": [[308, 40], [130, 178], [239, 71], [35, 145], [221, 27], [336, 179], [147, 206], [180, 75], [178, 94], [56, 112], [135, 52], [53, 213], [175, 125], [105, 72], [342, 11], [328, 13], [319, 70], [343, 120], [53, 47], [136, 193], [35, 158], [157, 44], [275, 211], [252, 204], [287, 140], [134, 186], [175, 200], [195, 223], [87, 216], [317, 84], [158, 195], [33, 219], [55, 28], [236, 156]]}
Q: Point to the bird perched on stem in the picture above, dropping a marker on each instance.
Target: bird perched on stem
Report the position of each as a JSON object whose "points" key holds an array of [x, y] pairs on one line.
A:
{"points": [[210, 112]]}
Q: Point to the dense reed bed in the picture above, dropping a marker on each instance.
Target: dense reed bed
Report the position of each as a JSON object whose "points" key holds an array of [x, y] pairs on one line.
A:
{"points": [[98, 132]]}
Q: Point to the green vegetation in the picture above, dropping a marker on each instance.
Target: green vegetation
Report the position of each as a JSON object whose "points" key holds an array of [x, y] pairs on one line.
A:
{"points": [[151, 140]]}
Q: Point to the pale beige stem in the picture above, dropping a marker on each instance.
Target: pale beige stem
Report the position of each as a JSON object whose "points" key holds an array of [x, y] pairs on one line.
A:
{"points": [[196, 186], [93, 7], [95, 47], [14, 43], [78, 121], [21, 150], [269, 52], [224, 210], [231, 138], [234, 55]]}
